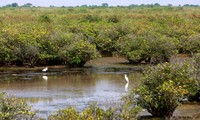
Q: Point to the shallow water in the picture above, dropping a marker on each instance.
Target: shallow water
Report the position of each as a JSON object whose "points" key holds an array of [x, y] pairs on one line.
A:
{"points": [[50, 91], [56, 89]]}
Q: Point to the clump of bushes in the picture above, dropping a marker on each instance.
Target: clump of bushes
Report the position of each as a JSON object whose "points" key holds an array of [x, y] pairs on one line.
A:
{"points": [[91, 18], [196, 64], [164, 86], [12, 108], [69, 113], [45, 19], [191, 45], [91, 113], [151, 47], [78, 51], [113, 19]]}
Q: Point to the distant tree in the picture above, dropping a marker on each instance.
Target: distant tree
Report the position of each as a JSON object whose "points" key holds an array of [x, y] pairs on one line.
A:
{"points": [[27, 5], [156, 4], [169, 5], [8, 5], [14, 4], [186, 5], [84, 6], [133, 5], [142, 5], [104, 4]]}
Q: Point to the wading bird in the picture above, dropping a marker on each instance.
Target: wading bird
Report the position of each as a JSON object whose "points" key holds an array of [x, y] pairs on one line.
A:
{"points": [[45, 69], [126, 78]]}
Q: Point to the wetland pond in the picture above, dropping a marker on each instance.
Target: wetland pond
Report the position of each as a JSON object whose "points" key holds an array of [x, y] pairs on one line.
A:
{"points": [[60, 87], [56, 89]]}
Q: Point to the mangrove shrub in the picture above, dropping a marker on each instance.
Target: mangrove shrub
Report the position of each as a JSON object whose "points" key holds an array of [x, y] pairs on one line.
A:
{"points": [[78, 51], [12, 108], [164, 86], [150, 47]]}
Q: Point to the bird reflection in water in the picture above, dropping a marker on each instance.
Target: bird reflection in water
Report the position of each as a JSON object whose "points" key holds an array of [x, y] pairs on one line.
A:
{"points": [[127, 82], [45, 77]]}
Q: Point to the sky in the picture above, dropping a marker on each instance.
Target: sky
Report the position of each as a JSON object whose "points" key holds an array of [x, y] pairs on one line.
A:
{"points": [[97, 2]]}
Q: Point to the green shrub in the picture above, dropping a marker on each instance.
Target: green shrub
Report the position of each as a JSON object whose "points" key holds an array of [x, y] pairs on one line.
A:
{"points": [[91, 113], [29, 55], [164, 86], [129, 107], [196, 63], [6, 53], [12, 108], [69, 113], [45, 18], [150, 47], [160, 48], [77, 51], [113, 19], [91, 18], [133, 48], [108, 37], [192, 44], [95, 113]]}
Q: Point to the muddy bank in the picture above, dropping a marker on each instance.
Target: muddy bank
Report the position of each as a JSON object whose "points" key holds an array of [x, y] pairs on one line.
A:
{"points": [[104, 62], [188, 111]]}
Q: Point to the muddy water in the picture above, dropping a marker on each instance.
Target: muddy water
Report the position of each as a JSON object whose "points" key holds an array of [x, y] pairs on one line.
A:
{"points": [[59, 88], [56, 89]]}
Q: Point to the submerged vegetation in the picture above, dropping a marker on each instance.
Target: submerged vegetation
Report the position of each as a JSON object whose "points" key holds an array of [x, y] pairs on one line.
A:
{"points": [[47, 36]]}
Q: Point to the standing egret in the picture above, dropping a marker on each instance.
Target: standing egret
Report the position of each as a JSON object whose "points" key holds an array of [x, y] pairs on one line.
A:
{"points": [[126, 78], [45, 69]]}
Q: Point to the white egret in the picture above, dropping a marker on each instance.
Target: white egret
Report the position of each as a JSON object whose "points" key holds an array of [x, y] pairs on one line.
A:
{"points": [[126, 78], [45, 69]]}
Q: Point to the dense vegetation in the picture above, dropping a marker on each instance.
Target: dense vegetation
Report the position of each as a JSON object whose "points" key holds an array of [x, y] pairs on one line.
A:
{"points": [[45, 36]]}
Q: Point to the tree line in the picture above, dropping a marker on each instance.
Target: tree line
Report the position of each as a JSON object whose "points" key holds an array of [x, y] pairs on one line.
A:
{"points": [[104, 5]]}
